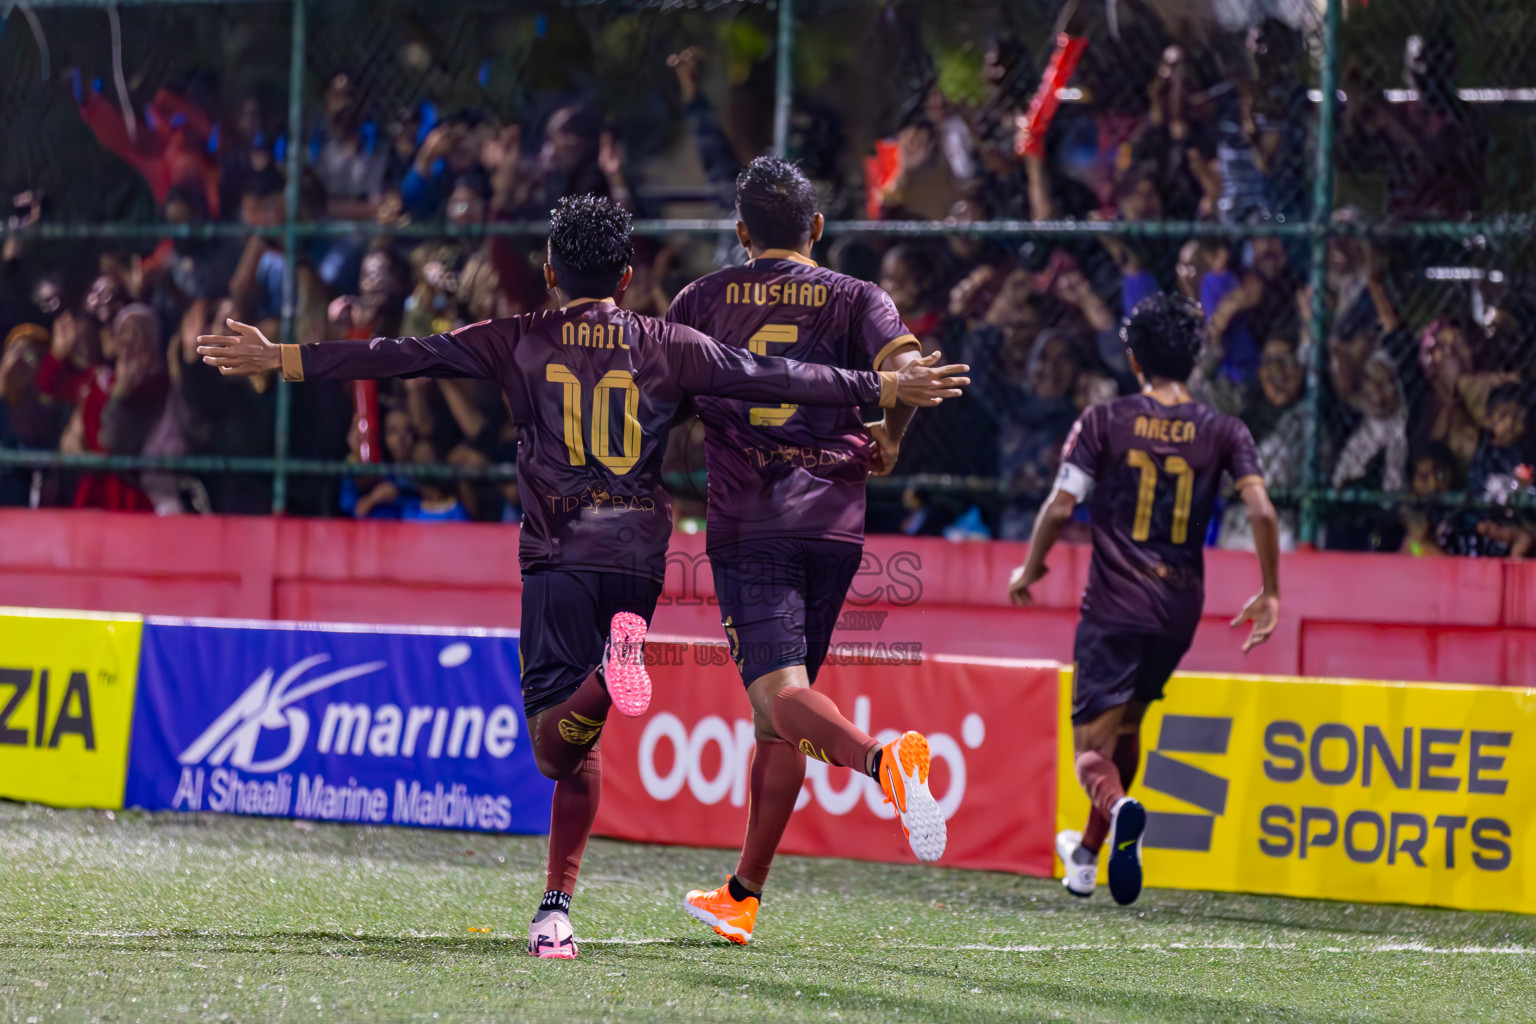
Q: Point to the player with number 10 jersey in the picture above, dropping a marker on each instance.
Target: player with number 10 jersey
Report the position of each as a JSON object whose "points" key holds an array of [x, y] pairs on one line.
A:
{"points": [[594, 390]]}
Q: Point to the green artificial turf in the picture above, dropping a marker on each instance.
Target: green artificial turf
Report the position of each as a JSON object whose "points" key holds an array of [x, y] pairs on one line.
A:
{"points": [[149, 917]]}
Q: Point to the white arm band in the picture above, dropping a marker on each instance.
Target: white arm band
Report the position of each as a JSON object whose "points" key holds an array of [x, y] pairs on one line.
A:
{"points": [[1074, 481]]}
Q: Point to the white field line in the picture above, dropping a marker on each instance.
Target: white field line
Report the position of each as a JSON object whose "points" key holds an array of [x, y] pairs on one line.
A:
{"points": [[1268, 947], [1072, 947]]}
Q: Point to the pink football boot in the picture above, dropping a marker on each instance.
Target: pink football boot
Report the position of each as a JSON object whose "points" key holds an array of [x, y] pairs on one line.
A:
{"points": [[629, 684]]}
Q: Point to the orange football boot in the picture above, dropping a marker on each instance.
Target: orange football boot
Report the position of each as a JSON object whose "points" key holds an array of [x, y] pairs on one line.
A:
{"points": [[904, 766], [729, 919]]}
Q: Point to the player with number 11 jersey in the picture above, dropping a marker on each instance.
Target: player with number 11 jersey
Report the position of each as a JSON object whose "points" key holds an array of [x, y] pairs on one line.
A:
{"points": [[1150, 468]]}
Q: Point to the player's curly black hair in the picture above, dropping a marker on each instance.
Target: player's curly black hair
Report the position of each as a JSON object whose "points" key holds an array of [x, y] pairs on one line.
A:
{"points": [[589, 245], [1165, 334], [776, 201]]}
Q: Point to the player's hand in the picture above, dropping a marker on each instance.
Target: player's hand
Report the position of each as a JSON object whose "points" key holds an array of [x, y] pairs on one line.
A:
{"points": [[245, 354], [923, 383], [1264, 612], [1018, 586], [882, 457]]}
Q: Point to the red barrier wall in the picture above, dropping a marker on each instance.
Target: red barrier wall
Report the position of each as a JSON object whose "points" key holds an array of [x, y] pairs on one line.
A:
{"points": [[683, 767], [1368, 616]]}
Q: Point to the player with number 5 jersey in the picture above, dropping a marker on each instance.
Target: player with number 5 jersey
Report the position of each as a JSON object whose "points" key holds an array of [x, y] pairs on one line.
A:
{"points": [[785, 523], [594, 390], [1150, 467]]}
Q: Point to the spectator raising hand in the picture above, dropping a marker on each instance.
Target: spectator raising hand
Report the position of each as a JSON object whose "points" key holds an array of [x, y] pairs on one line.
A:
{"points": [[925, 185]]}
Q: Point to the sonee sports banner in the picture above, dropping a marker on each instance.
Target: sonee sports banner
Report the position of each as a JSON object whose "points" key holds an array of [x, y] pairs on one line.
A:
{"points": [[335, 724], [66, 698], [1349, 790]]}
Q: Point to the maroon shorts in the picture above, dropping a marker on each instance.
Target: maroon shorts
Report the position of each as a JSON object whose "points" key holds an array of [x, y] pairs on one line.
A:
{"points": [[566, 617], [780, 598], [1114, 666]]}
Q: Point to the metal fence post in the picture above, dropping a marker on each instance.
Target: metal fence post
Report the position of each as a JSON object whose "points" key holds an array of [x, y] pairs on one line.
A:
{"points": [[1322, 216], [294, 167], [784, 78]]}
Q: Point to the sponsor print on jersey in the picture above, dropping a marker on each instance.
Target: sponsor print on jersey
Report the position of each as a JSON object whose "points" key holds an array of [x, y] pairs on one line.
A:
{"points": [[335, 725]]}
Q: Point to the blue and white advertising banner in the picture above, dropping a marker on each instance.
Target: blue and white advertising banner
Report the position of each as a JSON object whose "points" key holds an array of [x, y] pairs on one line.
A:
{"points": [[334, 723]]}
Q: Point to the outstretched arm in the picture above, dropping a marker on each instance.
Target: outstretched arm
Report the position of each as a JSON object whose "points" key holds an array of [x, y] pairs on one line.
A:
{"points": [[702, 366], [1080, 456], [1053, 516], [1264, 610], [887, 433], [467, 352]]}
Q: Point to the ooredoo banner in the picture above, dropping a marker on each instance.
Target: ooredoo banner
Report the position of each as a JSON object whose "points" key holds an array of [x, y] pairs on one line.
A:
{"points": [[1367, 791], [679, 774], [66, 699], [386, 727]]}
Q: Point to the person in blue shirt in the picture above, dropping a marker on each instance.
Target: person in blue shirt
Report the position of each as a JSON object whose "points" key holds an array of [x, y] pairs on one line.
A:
{"points": [[437, 499]]}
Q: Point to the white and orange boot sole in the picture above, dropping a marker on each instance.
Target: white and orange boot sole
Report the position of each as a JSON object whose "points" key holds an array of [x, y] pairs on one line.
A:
{"points": [[904, 764]]}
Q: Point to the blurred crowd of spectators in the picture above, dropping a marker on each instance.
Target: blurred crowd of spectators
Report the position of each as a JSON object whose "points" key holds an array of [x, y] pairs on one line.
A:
{"points": [[105, 361]]}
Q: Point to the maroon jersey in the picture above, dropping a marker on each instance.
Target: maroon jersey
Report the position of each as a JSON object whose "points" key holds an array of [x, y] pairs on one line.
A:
{"points": [[1154, 472], [594, 390], [776, 470]]}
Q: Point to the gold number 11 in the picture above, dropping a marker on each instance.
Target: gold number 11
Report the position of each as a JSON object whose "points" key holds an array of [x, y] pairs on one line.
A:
{"points": [[1183, 494]]}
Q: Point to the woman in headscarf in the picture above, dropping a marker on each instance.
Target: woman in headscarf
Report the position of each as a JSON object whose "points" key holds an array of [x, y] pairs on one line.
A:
{"points": [[1383, 432], [28, 417], [1032, 425], [135, 401], [1451, 410], [1282, 431]]}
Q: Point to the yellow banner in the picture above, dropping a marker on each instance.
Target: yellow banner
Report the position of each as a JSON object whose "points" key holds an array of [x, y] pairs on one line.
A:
{"points": [[1342, 789], [67, 682]]}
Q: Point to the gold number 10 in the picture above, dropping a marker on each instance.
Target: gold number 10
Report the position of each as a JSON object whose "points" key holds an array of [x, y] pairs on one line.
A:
{"points": [[1183, 494], [613, 380]]}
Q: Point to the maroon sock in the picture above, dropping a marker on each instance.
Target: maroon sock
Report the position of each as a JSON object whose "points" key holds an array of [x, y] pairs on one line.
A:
{"points": [[812, 723], [1101, 779], [1127, 757], [1096, 831], [778, 770], [565, 739], [570, 821]]}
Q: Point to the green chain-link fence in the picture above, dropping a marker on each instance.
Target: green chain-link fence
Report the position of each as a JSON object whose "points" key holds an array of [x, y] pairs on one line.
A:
{"points": [[1351, 195]]}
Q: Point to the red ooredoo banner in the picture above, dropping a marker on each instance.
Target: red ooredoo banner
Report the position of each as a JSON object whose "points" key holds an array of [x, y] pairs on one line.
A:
{"points": [[679, 773]]}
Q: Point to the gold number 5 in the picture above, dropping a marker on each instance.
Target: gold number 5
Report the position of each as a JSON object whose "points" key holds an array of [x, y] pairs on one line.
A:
{"points": [[1146, 494], [772, 334], [570, 393]]}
